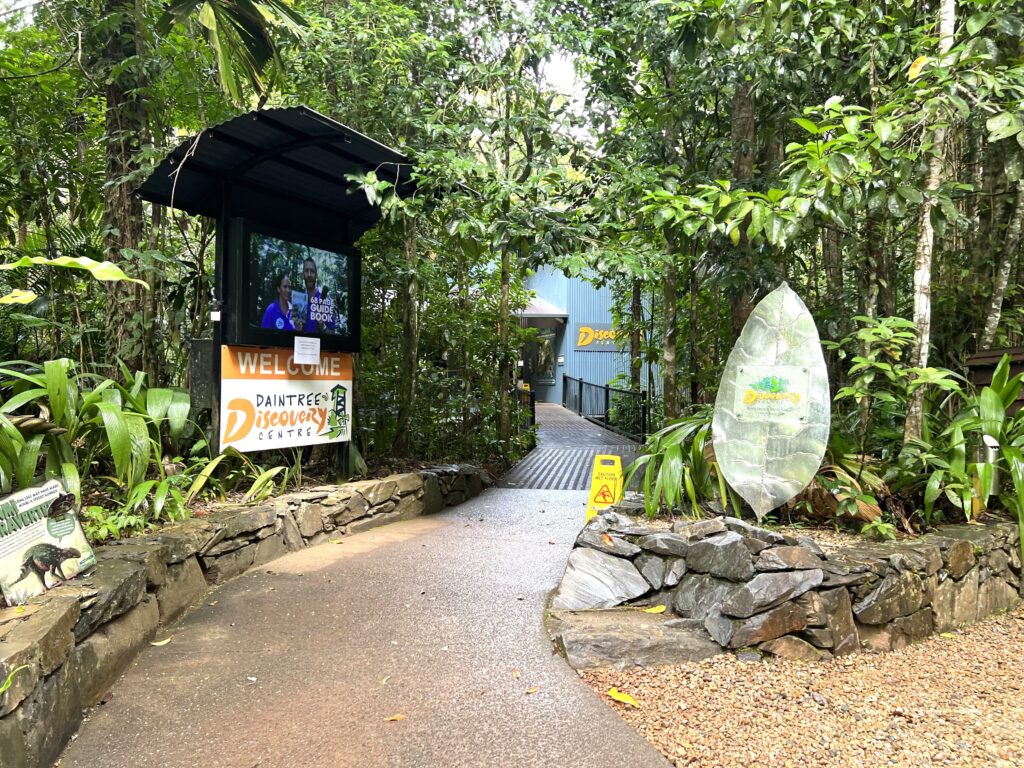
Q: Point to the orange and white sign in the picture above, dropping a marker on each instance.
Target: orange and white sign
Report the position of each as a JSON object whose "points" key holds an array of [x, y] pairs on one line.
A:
{"points": [[269, 401]]}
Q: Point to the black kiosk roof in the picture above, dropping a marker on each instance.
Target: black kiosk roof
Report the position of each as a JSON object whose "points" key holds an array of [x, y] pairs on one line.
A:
{"points": [[284, 168]]}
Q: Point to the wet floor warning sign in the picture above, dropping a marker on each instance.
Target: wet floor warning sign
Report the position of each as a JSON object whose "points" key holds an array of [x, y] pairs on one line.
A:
{"points": [[605, 483]]}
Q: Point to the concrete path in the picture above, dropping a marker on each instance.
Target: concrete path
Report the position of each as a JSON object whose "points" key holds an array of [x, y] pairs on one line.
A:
{"points": [[299, 664]]}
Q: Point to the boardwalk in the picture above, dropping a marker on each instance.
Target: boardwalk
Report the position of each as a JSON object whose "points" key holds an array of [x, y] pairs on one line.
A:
{"points": [[567, 445]]}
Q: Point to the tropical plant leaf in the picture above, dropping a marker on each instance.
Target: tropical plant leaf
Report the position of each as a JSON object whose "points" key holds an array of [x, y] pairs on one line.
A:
{"points": [[28, 459], [102, 270], [20, 399], [158, 400], [118, 437], [18, 296], [992, 412], [201, 479], [261, 483], [55, 373], [177, 412]]}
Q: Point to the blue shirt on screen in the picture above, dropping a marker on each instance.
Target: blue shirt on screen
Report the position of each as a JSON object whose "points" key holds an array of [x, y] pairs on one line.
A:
{"points": [[275, 318]]}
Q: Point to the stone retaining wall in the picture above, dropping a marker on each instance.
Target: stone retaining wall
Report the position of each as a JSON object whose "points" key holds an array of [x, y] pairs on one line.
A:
{"points": [[77, 639], [729, 585]]}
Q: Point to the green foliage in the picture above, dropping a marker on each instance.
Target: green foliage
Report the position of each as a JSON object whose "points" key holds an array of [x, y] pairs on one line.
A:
{"points": [[879, 529], [677, 469]]}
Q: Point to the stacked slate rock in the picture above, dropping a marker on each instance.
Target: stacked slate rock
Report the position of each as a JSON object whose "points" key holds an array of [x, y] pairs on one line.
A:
{"points": [[729, 585]]}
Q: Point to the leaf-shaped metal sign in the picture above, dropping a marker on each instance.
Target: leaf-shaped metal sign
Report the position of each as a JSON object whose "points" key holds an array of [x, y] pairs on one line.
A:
{"points": [[772, 413]]}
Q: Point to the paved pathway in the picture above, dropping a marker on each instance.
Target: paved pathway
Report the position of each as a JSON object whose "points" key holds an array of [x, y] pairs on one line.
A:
{"points": [[566, 447], [298, 665]]}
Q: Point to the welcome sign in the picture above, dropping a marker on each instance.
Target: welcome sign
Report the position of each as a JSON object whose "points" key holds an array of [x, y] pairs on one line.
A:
{"points": [[269, 401]]}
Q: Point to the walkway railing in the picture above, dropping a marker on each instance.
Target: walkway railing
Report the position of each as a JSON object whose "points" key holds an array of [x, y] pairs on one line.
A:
{"points": [[526, 408], [624, 411]]}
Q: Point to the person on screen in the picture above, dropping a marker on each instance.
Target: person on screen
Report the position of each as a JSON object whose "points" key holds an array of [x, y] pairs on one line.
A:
{"points": [[319, 314], [278, 314]]}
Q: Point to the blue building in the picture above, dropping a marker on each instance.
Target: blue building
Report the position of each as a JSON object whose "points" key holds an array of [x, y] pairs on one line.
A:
{"points": [[575, 336]]}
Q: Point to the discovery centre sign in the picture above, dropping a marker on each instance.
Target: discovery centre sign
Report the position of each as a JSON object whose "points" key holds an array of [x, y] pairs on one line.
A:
{"points": [[269, 401]]}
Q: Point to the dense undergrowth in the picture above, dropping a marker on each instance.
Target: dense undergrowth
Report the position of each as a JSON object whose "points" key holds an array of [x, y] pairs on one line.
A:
{"points": [[872, 477]]}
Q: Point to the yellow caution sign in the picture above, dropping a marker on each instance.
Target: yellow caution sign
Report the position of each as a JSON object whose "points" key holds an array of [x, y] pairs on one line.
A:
{"points": [[605, 484]]}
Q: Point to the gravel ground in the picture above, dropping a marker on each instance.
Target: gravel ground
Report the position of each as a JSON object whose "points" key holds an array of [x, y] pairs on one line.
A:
{"points": [[952, 700]]}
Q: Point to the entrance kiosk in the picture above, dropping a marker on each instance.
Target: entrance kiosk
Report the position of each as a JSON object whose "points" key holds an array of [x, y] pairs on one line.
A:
{"points": [[286, 303]]}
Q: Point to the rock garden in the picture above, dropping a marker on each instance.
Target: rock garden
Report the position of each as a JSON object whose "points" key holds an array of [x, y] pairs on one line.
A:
{"points": [[639, 593]]}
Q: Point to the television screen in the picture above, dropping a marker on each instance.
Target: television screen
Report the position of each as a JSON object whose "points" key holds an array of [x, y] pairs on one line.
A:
{"points": [[296, 288]]}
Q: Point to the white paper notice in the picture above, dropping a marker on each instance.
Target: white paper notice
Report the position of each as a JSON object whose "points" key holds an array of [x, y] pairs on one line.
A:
{"points": [[307, 351]]}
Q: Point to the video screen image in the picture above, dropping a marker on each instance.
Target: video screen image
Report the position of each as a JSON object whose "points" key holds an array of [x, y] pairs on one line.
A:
{"points": [[297, 288]]}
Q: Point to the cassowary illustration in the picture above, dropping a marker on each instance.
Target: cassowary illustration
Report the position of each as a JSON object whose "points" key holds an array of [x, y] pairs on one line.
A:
{"points": [[46, 558]]}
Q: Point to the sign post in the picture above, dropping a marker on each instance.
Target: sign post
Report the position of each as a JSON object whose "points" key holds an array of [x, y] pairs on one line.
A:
{"points": [[286, 307]]}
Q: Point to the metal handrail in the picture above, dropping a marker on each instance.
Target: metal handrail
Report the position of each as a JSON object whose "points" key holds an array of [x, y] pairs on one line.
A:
{"points": [[624, 411]]}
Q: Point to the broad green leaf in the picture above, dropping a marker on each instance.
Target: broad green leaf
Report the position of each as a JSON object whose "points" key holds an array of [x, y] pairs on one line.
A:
{"points": [[177, 412], [977, 21], [70, 478], [18, 296], [932, 490], [158, 400], [201, 479], [259, 485], [118, 437], [102, 270], [28, 459], [20, 399], [992, 412], [55, 373], [807, 125], [1002, 126]]}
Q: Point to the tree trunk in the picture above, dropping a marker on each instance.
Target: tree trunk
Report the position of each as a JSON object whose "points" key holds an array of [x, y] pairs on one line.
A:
{"points": [[873, 258], [636, 361], [409, 358], [1002, 277], [694, 360], [926, 242], [505, 359], [668, 358], [742, 140], [125, 127], [832, 256]]}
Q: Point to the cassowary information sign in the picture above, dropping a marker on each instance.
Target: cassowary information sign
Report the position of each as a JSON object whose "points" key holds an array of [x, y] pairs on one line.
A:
{"points": [[42, 544]]}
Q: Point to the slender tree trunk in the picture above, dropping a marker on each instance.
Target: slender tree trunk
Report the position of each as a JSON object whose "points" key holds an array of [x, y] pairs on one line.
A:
{"points": [[926, 241], [1002, 277], [668, 359], [636, 362], [505, 361], [832, 256], [694, 359], [743, 144], [409, 358], [125, 127]]}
